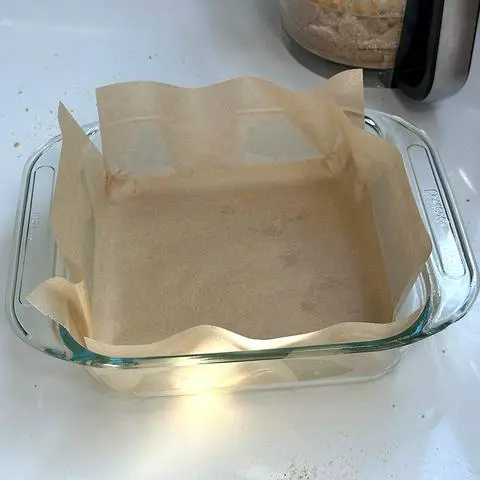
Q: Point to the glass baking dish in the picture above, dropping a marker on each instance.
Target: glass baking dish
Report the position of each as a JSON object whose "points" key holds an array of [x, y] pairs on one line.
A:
{"points": [[443, 293]]}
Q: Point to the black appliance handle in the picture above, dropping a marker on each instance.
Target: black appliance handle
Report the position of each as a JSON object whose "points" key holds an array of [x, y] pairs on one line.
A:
{"points": [[436, 47]]}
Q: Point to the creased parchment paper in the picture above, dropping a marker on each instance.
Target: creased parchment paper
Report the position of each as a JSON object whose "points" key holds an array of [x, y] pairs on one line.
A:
{"points": [[238, 216]]}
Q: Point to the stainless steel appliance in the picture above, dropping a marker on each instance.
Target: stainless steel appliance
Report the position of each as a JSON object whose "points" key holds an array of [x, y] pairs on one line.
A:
{"points": [[422, 47]]}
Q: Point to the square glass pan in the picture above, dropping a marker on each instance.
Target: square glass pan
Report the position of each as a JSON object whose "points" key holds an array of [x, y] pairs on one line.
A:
{"points": [[446, 288]]}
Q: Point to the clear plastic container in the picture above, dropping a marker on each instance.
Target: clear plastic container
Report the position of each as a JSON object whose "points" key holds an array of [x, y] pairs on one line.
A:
{"points": [[444, 292], [357, 33]]}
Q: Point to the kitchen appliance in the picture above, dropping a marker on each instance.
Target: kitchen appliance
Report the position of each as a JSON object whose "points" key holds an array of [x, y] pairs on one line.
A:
{"points": [[424, 48], [443, 293]]}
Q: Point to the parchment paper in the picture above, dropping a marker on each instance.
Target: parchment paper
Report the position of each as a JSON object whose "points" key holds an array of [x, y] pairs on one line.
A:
{"points": [[232, 217]]}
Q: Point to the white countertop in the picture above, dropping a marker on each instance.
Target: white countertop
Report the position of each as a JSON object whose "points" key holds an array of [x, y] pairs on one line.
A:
{"points": [[421, 421]]}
